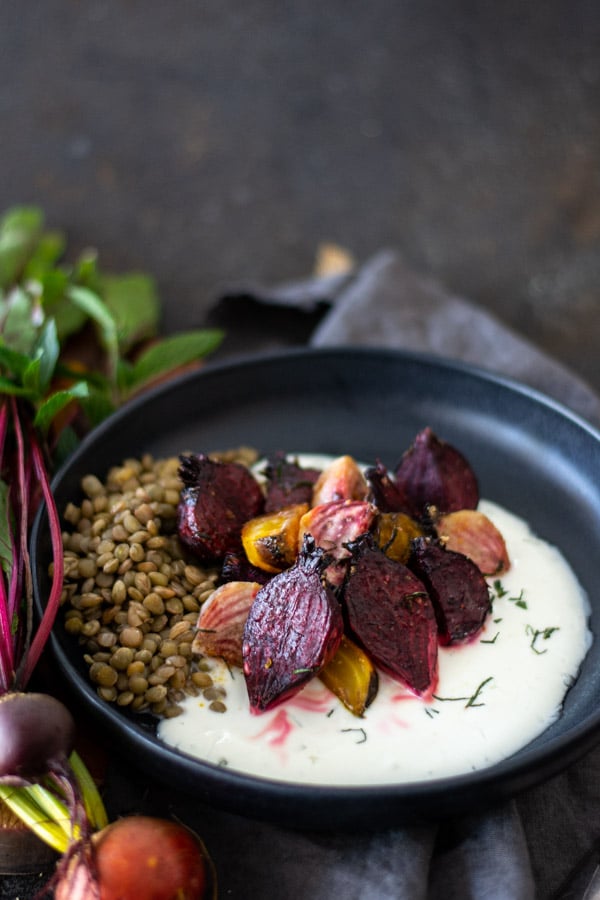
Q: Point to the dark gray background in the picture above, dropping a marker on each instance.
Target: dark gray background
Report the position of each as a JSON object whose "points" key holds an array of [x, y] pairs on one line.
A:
{"points": [[212, 142]]}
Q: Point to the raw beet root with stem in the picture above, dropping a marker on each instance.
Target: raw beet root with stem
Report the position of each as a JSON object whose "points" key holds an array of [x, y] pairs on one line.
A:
{"points": [[288, 483], [457, 588], [391, 615], [216, 499], [433, 473], [293, 629]]}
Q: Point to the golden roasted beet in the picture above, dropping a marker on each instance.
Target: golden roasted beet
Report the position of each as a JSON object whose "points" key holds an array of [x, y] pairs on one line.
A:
{"points": [[394, 533], [271, 540], [472, 533], [352, 677]]}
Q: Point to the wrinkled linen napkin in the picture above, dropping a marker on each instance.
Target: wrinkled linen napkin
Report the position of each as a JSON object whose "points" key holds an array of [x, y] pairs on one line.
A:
{"points": [[546, 842]]}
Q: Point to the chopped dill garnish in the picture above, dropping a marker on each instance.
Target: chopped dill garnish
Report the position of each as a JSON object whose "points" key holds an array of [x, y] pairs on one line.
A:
{"points": [[536, 633], [361, 731]]}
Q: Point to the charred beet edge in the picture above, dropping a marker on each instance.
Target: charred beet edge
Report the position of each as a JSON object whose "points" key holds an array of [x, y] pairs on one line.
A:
{"points": [[237, 568], [287, 482], [457, 588], [391, 615], [293, 629], [433, 473], [216, 499], [385, 493]]}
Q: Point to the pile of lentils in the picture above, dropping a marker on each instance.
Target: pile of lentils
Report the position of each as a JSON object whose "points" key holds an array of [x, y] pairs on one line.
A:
{"points": [[130, 595]]}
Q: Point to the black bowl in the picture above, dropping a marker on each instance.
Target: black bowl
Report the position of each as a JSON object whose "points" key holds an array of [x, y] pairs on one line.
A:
{"points": [[530, 455]]}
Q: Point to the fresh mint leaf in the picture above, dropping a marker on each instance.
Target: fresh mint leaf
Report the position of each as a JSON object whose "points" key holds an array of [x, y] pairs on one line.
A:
{"points": [[13, 362], [18, 328], [47, 350], [46, 254], [134, 303], [91, 304], [20, 229], [56, 402], [173, 352]]}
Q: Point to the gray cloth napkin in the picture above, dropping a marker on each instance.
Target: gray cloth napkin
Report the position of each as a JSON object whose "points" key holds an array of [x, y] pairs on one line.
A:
{"points": [[544, 844]]}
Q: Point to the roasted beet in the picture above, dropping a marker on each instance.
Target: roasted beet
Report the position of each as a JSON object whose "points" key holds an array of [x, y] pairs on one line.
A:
{"points": [[472, 533], [458, 590], [293, 629], [385, 493], [222, 620], [333, 526], [288, 483], [341, 480], [237, 568], [391, 615], [434, 473], [216, 499]]}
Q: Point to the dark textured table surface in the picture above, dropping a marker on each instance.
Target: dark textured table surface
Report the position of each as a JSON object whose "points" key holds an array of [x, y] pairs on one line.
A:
{"points": [[212, 144]]}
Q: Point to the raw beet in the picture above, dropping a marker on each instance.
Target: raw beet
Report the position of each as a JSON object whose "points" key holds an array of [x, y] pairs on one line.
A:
{"points": [[391, 615], [434, 473], [288, 483], [457, 588], [216, 499], [293, 629]]}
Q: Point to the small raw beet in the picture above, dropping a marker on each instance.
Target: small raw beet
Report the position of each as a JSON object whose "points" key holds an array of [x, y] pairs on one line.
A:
{"points": [[216, 499], [433, 473], [457, 588], [37, 733], [293, 629], [288, 483], [391, 615], [140, 857]]}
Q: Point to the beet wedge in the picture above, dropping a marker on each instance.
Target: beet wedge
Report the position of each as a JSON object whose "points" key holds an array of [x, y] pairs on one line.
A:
{"points": [[391, 616], [434, 473], [457, 588], [287, 482], [293, 629], [216, 499]]}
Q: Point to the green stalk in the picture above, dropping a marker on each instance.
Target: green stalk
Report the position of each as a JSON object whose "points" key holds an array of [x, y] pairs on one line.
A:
{"points": [[94, 806], [21, 803]]}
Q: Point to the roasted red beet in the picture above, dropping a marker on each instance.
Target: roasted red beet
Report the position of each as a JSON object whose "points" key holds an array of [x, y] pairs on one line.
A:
{"points": [[433, 473], [287, 482], [391, 615], [237, 568], [217, 498], [385, 493], [458, 590], [293, 629]]}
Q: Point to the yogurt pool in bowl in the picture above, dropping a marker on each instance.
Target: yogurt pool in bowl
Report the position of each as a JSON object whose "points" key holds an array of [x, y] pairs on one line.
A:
{"points": [[493, 695]]}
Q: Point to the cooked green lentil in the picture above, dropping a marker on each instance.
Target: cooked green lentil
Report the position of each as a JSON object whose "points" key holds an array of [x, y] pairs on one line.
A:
{"points": [[129, 595]]}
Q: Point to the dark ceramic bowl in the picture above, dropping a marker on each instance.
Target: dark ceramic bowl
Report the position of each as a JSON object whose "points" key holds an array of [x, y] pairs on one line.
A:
{"points": [[530, 455]]}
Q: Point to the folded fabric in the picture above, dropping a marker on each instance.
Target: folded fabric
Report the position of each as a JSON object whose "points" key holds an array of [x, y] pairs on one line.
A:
{"points": [[546, 842]]}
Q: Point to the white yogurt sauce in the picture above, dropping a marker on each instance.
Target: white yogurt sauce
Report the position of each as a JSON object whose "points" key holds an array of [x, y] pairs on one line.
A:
{"points": [[493, 697]]}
